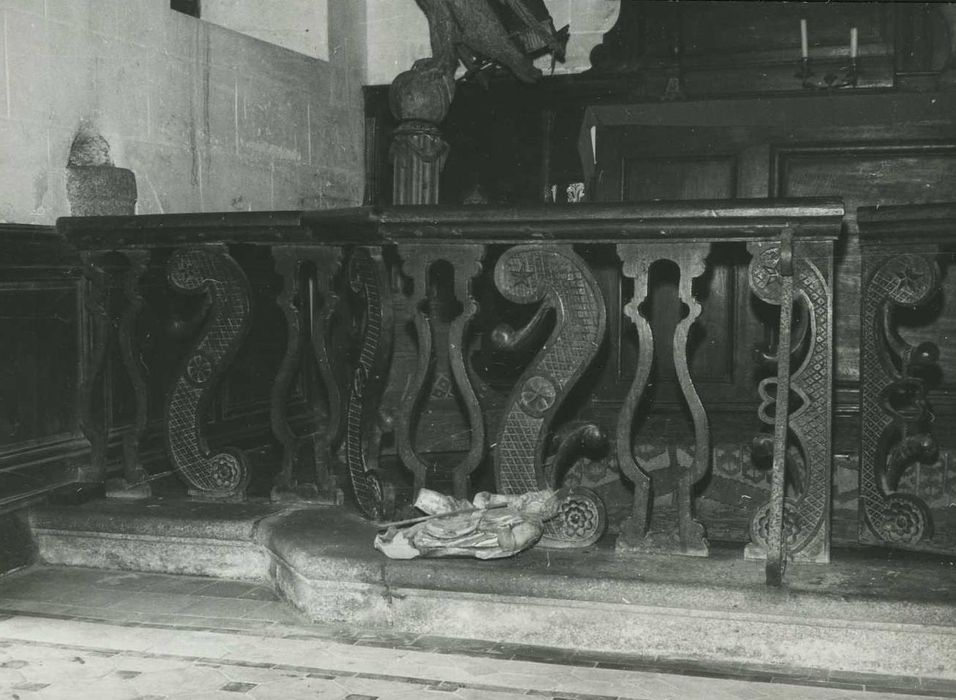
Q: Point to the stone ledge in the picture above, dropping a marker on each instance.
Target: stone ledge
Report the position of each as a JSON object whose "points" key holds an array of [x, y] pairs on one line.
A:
{"points": [[870, 616]]}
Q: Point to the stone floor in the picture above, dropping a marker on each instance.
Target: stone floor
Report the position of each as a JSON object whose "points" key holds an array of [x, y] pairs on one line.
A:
{"points": [[87, 633]]}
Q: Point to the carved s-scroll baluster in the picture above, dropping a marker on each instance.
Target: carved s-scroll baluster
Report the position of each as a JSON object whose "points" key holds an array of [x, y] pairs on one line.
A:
{"points": [[796, 527], [771, 277], [557, 278], [92, 390], [363, 429], [437, 359], [135, 482], [689, 535], [211, 271], [894, 415]]}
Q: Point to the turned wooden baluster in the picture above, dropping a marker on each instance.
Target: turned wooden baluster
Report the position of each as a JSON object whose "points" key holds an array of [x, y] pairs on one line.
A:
{"points": [[688, 535], [135, 480], [92, 386], [295, 300], [207, 270], [440, 361]]}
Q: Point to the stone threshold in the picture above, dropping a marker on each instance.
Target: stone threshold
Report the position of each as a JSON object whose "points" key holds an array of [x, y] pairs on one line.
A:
{"points": [[885, 617]]}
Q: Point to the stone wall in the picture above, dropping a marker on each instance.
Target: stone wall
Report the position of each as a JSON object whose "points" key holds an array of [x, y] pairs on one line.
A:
{"points": [[398, 34], [208, 119]]}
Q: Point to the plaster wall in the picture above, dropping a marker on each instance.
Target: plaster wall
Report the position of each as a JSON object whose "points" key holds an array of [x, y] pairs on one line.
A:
{"points": [[208, 119], [398, 34], [300, 25]]}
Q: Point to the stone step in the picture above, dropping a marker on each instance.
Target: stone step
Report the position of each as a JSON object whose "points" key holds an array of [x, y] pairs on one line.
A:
{"points": [[877, 615]]}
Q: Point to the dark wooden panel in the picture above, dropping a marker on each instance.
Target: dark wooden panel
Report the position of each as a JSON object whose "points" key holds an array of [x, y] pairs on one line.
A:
{"points": [[38, 363], [868, 175], [687, 177], [39, 356], [710, 28]]}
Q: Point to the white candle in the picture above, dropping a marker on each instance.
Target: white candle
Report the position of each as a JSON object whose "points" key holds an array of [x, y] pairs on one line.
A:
{"points": [[852, 42], [804, 47]]}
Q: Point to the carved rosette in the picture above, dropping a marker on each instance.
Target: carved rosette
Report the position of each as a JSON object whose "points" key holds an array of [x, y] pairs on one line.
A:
{"points": [[894, 414], [440, 356], [556, 278], [211, 271], [796, 527], [688, 536], [364, 423]]}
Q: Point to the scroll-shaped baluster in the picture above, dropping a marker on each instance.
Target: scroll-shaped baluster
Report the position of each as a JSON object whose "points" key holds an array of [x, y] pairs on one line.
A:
{"points": [[557, 278], [798, 404], [96, 334], [135, 481], [687, 535], [894, 415], [207, 270], [364, 422], [440, 367], [296, 301]]}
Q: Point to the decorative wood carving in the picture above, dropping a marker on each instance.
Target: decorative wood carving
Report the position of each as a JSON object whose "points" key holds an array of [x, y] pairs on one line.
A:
{"points": [[327, 262], [96, 334], [135, 481], [296, 303], [798, 404], [365, 423], [894, 415], [686, 536], [207, 270], [440, 356], [561, 282]]}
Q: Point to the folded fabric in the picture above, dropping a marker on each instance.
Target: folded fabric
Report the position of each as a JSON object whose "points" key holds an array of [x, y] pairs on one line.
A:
{"points": [[490, 527]]}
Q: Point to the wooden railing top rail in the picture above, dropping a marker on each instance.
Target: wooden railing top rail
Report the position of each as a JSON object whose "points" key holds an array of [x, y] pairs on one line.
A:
{"points": [[733, 220]]}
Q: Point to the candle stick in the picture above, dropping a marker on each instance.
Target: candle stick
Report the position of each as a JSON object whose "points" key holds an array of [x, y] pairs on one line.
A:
{"points": [[804, 46], [853, 43]]}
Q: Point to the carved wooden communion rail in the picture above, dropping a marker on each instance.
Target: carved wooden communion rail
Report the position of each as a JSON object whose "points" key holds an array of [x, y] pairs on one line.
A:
{"points": [[389, 302]]}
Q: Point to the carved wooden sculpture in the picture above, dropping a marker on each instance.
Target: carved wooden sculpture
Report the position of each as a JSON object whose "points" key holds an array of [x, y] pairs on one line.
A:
{"points": [[211, 271], [559, 280], [686, 536]]}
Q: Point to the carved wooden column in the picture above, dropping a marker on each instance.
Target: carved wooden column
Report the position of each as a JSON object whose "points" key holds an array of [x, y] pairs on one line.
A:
{"points": [[440, 369], [797, 402], [561, 282], [642, 532], [894, 415], [419, 99], [296, 301], [207, 270]]}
